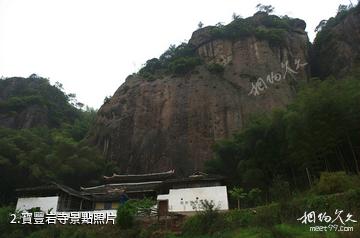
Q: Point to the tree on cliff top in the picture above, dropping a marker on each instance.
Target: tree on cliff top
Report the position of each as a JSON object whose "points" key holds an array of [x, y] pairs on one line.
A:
{"points": [[265, 8]]}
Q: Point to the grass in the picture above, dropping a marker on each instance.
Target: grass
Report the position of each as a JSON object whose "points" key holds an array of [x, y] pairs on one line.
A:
{"points": [[277, 231]]}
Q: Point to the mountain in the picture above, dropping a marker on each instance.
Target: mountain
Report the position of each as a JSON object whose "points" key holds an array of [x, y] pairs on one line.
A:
{"points": [[41, 137], [336, 48], [31, 102], [170, 113]]}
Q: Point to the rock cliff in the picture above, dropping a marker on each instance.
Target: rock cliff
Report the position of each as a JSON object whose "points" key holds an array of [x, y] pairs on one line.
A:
{"points": [[172, 121], [336, 46], [33, 102]]}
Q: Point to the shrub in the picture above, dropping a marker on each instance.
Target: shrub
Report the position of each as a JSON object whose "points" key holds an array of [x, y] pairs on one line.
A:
{"points": [[206, 221], [269, 27], [316, 203], [272, 21], [348, 201], [267, 216], [335, 183], [5, 219], [352, 198], [151, 66], [238, 28], [125, 216], [238, 194], [177, 60], [238, 218], [184, 65], [126, 213], [8, 230], [280, 190], [255, 196], [273, 36], [142, 207], [216, 68]]}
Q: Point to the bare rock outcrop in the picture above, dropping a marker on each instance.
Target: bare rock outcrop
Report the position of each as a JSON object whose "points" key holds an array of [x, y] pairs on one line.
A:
{"points": [[173, 121]]}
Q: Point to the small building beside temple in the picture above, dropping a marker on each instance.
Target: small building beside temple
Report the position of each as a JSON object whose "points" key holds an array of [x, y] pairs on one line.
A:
{"points": [[187, 195], [53, 197]]}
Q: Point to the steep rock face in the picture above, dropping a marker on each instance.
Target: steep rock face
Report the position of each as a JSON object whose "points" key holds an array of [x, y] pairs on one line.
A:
{"points": [[337, 48], [172, 122]]}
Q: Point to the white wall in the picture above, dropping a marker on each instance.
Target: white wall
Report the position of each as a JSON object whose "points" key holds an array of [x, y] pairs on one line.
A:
{"points": [[45, 203], [163, 197], [180, 199]]}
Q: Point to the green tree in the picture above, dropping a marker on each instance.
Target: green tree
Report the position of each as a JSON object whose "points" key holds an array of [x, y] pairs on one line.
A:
{"points": [[125, 216], [265, 8], [255, 195], [238, 194]]}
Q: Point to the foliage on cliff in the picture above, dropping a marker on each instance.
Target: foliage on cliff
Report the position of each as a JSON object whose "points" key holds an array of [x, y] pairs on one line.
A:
{"points": [[176, 60], [183, 58], [46, 152], [318, 132], [333, 40], [20, 94], [262, 25]]}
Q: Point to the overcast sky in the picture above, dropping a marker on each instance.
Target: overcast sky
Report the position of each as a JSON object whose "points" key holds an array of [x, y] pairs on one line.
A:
{"points": [[90, 46]]}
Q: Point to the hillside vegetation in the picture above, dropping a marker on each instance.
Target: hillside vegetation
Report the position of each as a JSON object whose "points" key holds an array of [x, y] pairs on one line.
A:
{"points": [[44, 151]]}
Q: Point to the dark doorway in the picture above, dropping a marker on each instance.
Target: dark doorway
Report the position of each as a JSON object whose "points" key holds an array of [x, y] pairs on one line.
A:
{"points": [[163, 207]]}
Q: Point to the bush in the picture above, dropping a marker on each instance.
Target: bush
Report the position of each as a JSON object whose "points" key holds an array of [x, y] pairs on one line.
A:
{"points": [[267, 216], [269, 27], [126, 213], [184, 65], [255, 196], [275, 37], [238, 218], [8, 230], [125, 216], [18, 103], [216, 68], [272, 21], [237, 29], [348, 201], [151, 66], [82, 232], [337, 182], [280, 190], [142, 207], [207, 221], [352, 198], [177, 60], [5, 226]]}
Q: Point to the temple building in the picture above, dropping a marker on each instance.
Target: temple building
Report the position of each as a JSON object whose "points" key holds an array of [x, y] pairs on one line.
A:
{"points": [[139, 186], [173, 195]]}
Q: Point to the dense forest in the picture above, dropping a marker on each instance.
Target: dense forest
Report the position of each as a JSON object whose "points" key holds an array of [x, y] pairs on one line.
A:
{"points": [[53, 150], [318, 132]]}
